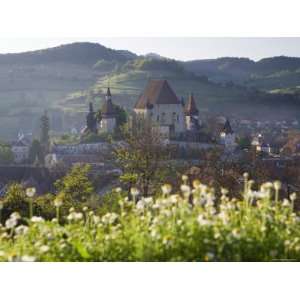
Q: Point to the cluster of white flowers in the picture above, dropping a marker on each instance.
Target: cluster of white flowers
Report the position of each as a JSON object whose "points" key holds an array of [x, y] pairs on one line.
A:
{"points": [[109, 218], [75, 216], [12, 221]]}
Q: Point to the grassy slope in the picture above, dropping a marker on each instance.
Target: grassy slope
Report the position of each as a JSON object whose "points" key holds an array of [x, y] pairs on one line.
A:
{"points": [[127, 86]]}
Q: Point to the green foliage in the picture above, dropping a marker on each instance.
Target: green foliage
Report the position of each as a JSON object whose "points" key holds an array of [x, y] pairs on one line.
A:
{"points": [[121, 116], [141, 154], [67, 138], [195, 225], [45, 138], [105, 65], [244, 142], [94, 138], [16, 200], [149, 64], [76, 186], [6, 154]]}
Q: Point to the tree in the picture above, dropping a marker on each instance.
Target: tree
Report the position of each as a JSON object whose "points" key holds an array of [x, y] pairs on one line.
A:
{"points": [[76, 187], [121, 116], [44, 138], [6, 155], [141, 154]]}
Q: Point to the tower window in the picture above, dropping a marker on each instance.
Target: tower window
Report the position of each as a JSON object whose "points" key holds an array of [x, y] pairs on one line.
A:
{"points": [[163, 117], [174, 117]]}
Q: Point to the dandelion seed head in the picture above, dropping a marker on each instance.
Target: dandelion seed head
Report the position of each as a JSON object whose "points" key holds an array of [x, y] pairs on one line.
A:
{"points": [[30, 192]]}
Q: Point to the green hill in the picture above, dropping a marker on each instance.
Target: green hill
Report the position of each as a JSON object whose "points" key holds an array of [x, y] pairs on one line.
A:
{"points": [[63, 79], [266, 74], [129, 80]]}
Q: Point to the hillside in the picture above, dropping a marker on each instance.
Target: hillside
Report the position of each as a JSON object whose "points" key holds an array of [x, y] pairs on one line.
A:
{"points": [[31, 82], [266, 74], [128, 81], [63, 79]]}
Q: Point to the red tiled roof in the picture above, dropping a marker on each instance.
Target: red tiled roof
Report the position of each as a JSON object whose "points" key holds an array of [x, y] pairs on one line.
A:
{"points": [[191, 108], [157, 92]]}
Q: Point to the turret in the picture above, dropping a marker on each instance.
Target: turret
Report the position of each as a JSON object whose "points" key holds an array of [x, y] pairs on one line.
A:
{"points": [[108, 114], [191, 114]]}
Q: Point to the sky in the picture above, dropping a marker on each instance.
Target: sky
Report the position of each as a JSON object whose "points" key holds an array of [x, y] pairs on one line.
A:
{"points": [[174, 47]]}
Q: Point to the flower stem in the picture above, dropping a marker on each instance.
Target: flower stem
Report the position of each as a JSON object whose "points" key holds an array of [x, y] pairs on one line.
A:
{"points": [[30, 209], [57, 214]]}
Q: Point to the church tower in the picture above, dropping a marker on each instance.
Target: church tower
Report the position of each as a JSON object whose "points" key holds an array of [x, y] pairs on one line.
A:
{"points": [[108, 114], [191, 114], [227, 136]]}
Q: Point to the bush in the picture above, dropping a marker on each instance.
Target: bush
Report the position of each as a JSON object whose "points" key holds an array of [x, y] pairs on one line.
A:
{"points": [[191, 226]]}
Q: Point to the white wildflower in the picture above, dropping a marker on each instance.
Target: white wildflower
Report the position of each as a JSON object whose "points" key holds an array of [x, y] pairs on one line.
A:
{"points": [[186, 190], [118, 190], [20, 230], [140, 205], [277, 185], [166, 189], [58, 201], [179, 222], [196, 184], [286, 203], [203, 221], [30, 192], [15, 215], [44, 249], [35, 219], [134, 192], [148, 200], [235, 232], [11, 223], [184, 178], [293, 196]]}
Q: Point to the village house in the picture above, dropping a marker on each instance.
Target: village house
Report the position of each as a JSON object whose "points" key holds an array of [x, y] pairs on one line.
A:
{"points": [[20, 149]]}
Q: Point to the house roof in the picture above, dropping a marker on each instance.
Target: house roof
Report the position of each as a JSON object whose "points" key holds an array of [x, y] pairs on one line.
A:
{"points": [[190, 107], [157, 92]]}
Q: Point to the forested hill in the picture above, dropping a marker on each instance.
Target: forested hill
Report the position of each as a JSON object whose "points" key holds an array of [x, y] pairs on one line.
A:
{"points": [[31, 82], [266, 74], [75, 53]]}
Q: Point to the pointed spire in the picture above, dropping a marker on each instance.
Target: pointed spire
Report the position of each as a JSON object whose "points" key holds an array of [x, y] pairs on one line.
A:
{"points": [[107, 107], [227, 127], [108, 92], [91, 109], [191, 107]]}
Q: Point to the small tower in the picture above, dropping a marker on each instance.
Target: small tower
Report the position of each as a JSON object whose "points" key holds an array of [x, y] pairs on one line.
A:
{"points": [[191, 114], [91, 121], [108, 114], [227, 136]]}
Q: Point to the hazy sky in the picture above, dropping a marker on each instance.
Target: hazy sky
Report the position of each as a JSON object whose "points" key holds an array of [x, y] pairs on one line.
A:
{"points": [[177, 48]]}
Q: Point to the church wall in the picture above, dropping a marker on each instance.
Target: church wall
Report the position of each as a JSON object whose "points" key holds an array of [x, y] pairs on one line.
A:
{"points": [[165, 115], [108, 124]]}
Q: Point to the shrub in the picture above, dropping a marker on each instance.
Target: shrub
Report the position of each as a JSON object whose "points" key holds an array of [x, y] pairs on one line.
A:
{"points": [[191, 226]]}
